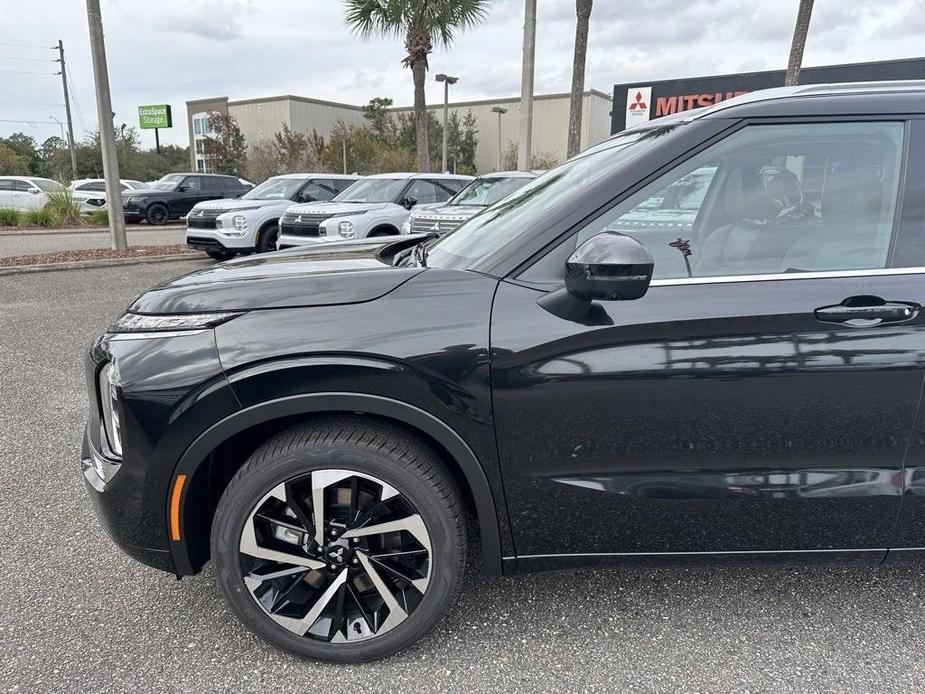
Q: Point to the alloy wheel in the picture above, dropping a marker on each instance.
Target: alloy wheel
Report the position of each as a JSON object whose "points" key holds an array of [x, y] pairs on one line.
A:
{"points": [[336, 556]]}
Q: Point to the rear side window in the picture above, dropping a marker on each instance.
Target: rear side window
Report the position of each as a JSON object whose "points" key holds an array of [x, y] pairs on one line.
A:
{"points": [[771, 199]]}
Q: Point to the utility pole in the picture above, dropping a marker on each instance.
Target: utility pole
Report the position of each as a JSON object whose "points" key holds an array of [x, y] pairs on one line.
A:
{"points": [[526, 87], [67, 110], [500, 110], [107, 134]]}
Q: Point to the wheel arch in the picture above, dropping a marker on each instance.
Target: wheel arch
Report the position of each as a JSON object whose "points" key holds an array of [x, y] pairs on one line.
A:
{"points": [[197, 466]]}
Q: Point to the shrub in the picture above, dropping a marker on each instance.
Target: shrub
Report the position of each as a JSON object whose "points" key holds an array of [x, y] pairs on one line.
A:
{"points": [[63, 208], [39, 217], [99, 217], [9, 216]]}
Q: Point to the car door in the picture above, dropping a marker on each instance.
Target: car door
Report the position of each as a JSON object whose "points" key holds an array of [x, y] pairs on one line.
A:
{"points": [[189, 192], [6, 193], [760, 397]]}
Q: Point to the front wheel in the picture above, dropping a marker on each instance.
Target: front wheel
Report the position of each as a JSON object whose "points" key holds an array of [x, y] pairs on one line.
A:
{"points": [[340, 540], [157, 214], [266, 241]]}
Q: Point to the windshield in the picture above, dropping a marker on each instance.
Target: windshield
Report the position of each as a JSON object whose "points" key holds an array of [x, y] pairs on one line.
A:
{"points": [[487, 191], [373, 190], [168, 182], [277, 188], [523, 211], [47, 185]]}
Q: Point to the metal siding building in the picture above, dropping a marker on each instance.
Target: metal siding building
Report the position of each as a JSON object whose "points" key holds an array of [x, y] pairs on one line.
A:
{"points": [[260, 118]]}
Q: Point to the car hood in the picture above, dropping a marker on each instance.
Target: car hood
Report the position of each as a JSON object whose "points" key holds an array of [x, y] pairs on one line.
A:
{"points": [[285, 279], [333, 208], [238, 204]]}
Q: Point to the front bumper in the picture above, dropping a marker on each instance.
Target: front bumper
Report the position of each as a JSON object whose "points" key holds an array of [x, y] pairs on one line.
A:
{"points": [[110, 502], [289, 241], [213, 240]]}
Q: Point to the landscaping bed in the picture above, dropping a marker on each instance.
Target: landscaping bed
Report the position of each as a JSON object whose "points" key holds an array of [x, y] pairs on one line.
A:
{"points": [[96, 254]]}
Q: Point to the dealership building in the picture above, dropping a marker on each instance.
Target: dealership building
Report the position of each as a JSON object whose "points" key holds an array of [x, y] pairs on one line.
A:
{"points": [[638, 102], [260, 118]]}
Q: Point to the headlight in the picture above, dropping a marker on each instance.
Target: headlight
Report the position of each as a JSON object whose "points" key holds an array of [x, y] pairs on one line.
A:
{"points": [[160, 324], [346, 229], [109, 385]]}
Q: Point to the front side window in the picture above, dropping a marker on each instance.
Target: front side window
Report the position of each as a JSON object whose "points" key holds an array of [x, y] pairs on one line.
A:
{"points": [[46, 185], [770, 199], [424, 192], [316, 191], [192, 184]]}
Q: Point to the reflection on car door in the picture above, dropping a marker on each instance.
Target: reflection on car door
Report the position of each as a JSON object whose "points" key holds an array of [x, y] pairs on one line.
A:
{"points": [[747, 403]]}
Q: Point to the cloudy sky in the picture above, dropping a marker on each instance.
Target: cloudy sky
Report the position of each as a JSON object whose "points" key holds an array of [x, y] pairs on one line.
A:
{"points": [[169, 51]]}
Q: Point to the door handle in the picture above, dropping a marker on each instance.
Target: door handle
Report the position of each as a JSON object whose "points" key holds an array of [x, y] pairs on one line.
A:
{"points": [[867, 312]]}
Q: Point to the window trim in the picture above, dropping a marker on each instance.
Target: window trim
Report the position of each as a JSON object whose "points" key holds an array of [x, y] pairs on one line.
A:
{"points": [[777, 277], [903, 119]]}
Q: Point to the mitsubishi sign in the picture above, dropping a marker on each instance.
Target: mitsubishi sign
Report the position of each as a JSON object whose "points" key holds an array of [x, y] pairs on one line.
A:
{"points": [[636, 103]]}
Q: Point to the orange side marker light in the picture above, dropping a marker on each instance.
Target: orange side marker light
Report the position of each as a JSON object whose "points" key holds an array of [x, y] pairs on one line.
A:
{"points": [[175, 496]]}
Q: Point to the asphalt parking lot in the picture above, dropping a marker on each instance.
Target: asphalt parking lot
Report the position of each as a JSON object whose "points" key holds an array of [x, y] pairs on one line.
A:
{"points": [[78, 616]]}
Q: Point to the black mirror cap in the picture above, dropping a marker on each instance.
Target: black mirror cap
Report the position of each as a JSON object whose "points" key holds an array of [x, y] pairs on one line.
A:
{"points": [[609, 266], [410, 201]]}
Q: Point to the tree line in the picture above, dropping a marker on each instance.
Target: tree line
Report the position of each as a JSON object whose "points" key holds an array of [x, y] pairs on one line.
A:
{"points": [[22, 155]]}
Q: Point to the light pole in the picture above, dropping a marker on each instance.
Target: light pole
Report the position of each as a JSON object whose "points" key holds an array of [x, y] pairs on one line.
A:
{"points": [[500, 111], [526, 86], [447, 81]]}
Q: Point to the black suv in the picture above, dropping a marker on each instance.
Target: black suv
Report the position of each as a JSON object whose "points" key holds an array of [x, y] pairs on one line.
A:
{"points": [[592, 389], [173, 195]]}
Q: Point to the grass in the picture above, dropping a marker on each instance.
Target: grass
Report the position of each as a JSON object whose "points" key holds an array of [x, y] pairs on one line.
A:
{"points": [[63, 208], [99, 217], [9, 217], [41, 217]]}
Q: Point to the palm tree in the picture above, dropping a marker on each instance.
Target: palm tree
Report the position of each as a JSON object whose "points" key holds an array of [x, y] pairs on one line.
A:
{"points": [[424, 24], [583, 10], [800, 29]]}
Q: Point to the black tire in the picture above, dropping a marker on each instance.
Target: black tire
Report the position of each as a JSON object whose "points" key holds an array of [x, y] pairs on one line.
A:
{"points": [[266, 239], [157, 214], [375, 449], [220, 255]]}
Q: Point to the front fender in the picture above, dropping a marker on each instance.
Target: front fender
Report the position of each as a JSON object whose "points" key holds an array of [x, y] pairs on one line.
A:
{"points": [[194, 461]]}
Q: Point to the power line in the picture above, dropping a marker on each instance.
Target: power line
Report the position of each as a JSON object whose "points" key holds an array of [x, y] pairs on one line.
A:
{"points": [[29, 103], [33, 60], [23, 45], [30, 122], [28, 72]]}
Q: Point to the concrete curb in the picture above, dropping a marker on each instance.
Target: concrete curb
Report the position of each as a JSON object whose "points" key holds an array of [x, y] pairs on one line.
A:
{"points": [[94, 230], [90, 264]]}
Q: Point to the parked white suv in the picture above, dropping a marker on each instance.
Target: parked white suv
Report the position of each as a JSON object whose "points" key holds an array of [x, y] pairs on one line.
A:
{"points": [[483, 191], [90, 193], [375, 206], [26, 192], [224, 228]]}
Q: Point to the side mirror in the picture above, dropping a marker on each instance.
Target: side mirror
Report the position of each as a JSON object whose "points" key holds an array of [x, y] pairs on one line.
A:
{"points": [[409, 202], [306, 198], [34, 191], [608, 267], [182, 189]]}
